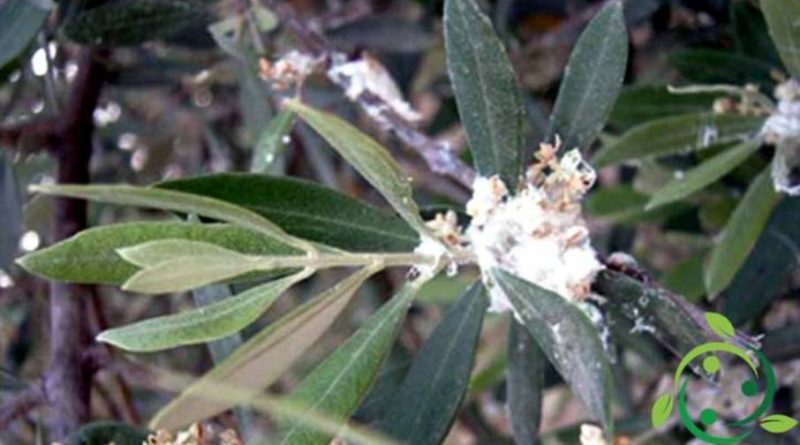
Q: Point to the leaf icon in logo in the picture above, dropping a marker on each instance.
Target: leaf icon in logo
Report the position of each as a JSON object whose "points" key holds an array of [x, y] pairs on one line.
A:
{"points": [[777, 423], [662, 408], [720, 325]]}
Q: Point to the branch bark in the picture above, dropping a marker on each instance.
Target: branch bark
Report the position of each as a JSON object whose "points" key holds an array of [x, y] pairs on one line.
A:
{"points": [[68, 380], [18, 406]]}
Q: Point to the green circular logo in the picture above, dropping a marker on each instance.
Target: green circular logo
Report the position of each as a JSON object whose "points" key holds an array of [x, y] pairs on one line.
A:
{"points": [[711, 364]]}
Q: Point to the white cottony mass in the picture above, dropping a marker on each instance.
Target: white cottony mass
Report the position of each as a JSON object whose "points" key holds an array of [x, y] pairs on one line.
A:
{"points": [[538, 233]]}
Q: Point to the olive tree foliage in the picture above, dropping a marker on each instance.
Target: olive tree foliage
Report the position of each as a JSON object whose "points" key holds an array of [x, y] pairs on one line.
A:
{"points": [[274, 232]]}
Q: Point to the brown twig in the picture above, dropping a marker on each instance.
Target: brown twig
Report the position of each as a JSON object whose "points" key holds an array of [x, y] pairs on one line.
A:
{"points": [[44, 130], [20, 405], [68, 380]]}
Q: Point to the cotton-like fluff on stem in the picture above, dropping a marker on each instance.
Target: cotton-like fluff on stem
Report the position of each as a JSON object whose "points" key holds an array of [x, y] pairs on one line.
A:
{"points": [[368, 75], [538, 233], [592, 435], [782, 129]]}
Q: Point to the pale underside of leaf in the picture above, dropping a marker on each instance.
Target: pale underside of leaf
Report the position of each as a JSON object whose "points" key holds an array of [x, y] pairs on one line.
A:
{"points": [[91, 256], [265, 357], [186, 273], [157, 252], [207, 323]]}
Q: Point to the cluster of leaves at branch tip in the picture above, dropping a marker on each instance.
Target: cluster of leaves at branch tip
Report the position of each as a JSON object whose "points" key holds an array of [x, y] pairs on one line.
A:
{"points": [[527, 236]]}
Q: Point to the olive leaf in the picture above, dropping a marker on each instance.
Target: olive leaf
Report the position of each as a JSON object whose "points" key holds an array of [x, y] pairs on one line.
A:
{"points": [[271, 143], [740, 234], [337, 386], [91, 256], [176, 202], [175, 265], [704, 174], [133, 22], [678, 134], [485, 86], [427, 401], [568, 338], [19, 23], [207, 323], [368, 157], [261, 360], [592, 79], [782, 17]]}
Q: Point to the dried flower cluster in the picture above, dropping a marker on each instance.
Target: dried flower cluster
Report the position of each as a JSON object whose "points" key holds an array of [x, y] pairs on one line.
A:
{"points": [[291, 69], [537, 233], [750, 102], [194, 435]]}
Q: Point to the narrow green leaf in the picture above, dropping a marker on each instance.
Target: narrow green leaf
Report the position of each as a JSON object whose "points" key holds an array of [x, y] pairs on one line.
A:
{"points": [[186, 273], [740, 234], [524, 383], [307, 210], [623, 204], [678, 134], [207, 296], [176, 202], [263, 358], [782, 17], [642, 103], [763, 276], [154, 253], [704, 174], [485, 87], [271, 143], [91, 256], [662, 409], [368, 157], [668, 317], [720, 325], [227, 34], [19, 23], [200, 325], [777, 423], [336, 386], [751, 33], [568, 338], [255, 99], [712, 66], [427, 401], [133, 22], [592, 79]]}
